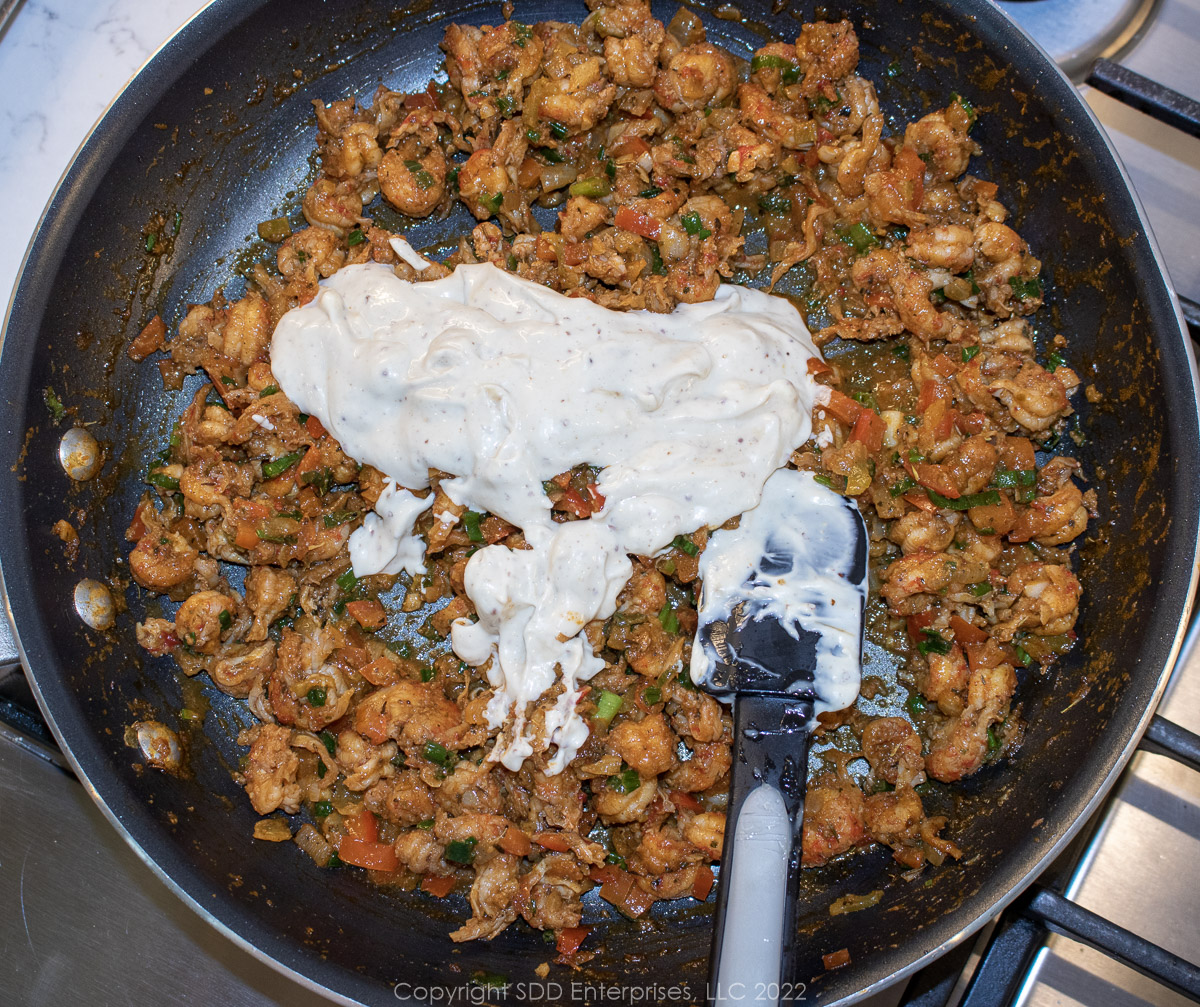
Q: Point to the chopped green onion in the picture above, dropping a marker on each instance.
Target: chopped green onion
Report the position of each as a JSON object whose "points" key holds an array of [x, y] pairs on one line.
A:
{"points": [[656, 262], [329, 741], [694, 225], [903, 486], [650, 193], [882, 787], [422, 177], [685, 545], [1023, 656], [339, 517], [1055, 361], [320, 480], [652, 695], [275, 230], [558, 129], [347, 582], [470, 523], [277, 466], [993, 742], [607, 706], [269, 390], [425, 823], [1025, 289], [823, 479], [533, 135], [427, 673], [225, 619], [980, 589], [892, 69], [492, 201], [902, 351], [316, 696], [163, 481], [594, 187], [966, 106], [616, 860], [506, 106], [462, 851], [969, 353], [915, 456], [667, 619], [322, 809], [438, 753], [334, 860], [934, 643], [399, 759], [178, 222], [54, 404], [775, 203], [915, 704], [985, 499], [790, 70], [685, 679], [625, 782], [610, 169], [522, 32], [492, 980], [1007, 479], [859, 237], [356, 237], [151, 240]]}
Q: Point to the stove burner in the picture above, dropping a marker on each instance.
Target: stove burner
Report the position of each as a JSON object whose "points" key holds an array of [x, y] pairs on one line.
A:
{"points": [[1076, 32]]}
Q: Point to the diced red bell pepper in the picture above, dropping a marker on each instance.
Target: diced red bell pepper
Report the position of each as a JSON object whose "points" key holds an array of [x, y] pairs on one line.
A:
{"points": [[965, 632], [368, 613], [569, 939], [918, 622], [364, 826], [843, 407], [381, 671], [555, 841], [641, 224], [868, 429], [437, 885], [685, 801], [372, 855], [702, 882], [515, 842], [315, 428]]}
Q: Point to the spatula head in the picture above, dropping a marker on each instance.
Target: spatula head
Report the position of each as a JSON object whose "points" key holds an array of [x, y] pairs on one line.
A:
{"points": [[784, 595]]}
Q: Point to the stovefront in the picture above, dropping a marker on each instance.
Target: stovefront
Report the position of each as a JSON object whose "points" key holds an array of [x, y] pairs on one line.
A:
{"points": [[83, 919]]}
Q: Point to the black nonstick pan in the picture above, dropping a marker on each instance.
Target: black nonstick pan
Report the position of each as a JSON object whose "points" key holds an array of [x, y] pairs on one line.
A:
{"points": [[213, 137]]}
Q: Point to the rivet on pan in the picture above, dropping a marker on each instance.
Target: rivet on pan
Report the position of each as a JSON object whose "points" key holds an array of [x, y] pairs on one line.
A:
{"points": [[79, 454], [159, 744], [94, 604]]}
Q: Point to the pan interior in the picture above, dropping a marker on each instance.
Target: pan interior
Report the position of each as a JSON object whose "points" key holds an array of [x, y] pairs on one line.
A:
{"points": [[215, 137]]}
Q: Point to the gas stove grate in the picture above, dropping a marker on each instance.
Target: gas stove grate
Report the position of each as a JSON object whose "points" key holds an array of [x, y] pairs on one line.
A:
{"points": [[1004, 962]]}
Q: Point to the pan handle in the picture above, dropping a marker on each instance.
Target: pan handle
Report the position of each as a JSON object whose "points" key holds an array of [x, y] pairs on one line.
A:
{"points": [[1130, 87], [1164, 738]]}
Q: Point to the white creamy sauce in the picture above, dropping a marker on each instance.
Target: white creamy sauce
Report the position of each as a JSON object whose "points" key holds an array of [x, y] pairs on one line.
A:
{"points": [[505, 383], [806, 534]]}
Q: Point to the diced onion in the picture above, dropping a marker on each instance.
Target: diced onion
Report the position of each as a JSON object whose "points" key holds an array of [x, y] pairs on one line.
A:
{"points": [[273, 830]]}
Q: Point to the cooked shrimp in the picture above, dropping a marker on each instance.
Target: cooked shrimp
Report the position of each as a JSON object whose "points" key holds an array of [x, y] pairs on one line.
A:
{"points": [[699, 75]]}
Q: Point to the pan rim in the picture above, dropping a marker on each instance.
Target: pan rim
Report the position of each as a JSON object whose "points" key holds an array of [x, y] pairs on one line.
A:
{"points": [[221, 15]]}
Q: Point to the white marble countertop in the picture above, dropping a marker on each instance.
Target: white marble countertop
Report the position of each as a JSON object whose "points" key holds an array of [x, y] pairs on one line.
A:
{"points": [[66, 60]]}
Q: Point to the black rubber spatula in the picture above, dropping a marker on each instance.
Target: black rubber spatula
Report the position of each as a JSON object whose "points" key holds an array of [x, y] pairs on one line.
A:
{"points": [[781, 623]]}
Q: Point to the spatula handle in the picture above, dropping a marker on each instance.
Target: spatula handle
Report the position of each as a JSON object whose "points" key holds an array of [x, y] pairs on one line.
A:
{"points": [[756, 900]]}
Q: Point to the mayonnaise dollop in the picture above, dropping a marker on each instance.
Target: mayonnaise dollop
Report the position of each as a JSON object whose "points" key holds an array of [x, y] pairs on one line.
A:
{"points": [[790, 559], [505, 383]]}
